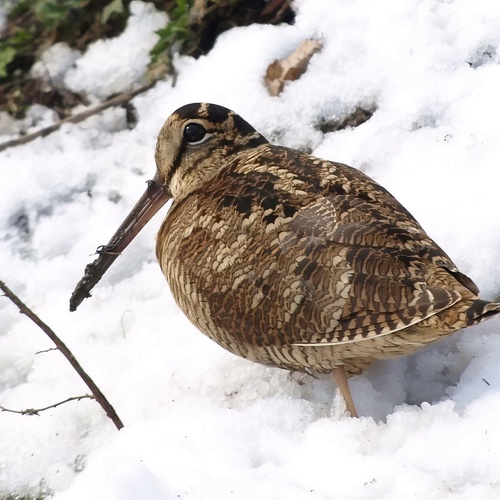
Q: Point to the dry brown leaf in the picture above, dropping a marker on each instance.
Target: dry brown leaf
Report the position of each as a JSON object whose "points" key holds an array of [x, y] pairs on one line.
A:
{"points": [[291, 67]]}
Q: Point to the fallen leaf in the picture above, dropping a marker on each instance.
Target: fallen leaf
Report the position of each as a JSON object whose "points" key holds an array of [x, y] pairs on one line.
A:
{"points": [[291, 67]]}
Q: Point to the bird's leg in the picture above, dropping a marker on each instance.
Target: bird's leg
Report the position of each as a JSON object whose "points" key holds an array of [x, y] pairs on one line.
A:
{"points": [[340, 377]]}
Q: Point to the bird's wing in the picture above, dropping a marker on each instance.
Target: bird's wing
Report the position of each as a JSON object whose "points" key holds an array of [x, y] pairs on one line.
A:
{"points": [[387, 281], [321, 254], [388, 274]]}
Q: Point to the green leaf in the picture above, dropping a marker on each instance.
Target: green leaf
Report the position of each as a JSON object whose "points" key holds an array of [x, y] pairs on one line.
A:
{"points": [[113, 7], [53, 12], [7, 54], [175, 31]]}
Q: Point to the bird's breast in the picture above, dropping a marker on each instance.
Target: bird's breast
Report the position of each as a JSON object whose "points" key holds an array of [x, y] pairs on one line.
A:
{"points": [[236, 274]]}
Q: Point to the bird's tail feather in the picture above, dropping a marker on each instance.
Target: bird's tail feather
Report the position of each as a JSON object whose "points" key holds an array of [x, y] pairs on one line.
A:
{"points": [[481, 310]]}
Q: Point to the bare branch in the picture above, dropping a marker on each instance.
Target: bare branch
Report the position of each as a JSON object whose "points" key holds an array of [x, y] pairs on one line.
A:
{"points": [[47, 350], [115, 101], [36, 411], [99, 396]]}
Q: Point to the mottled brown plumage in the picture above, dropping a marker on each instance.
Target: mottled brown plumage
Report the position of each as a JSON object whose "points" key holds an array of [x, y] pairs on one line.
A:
{"points": [[294, 261]]}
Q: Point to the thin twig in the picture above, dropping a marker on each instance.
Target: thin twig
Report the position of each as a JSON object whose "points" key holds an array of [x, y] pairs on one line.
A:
{"points": [[36, 411], [99, 396], [46, 350], [115, 101]]}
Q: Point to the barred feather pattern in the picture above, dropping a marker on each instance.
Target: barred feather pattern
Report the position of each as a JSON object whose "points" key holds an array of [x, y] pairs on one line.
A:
{"points": [[295, 261]]}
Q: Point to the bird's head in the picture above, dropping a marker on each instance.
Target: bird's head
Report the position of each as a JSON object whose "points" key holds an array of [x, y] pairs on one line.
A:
{"points": [[198, 141]]}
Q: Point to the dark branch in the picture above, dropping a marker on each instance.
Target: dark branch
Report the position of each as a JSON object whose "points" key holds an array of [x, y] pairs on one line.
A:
{"points": [[115, 101], [99, 396], [36, 411]]}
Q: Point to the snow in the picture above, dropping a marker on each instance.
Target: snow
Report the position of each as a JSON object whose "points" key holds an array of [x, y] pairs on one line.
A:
{"points": [[126, 59], [199, 422], [54, 63]]}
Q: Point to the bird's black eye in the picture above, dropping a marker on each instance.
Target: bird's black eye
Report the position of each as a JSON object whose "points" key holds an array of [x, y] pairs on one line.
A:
{"points": [[194, 132]]}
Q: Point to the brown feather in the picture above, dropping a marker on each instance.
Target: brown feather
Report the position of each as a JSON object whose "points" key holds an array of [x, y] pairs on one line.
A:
{"points": [[295, 261]]}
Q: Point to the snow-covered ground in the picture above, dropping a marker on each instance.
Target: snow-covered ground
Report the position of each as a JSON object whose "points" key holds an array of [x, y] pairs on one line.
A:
{"points": [[199, 422]]}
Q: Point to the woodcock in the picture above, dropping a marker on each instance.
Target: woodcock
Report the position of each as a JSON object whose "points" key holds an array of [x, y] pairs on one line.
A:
{"points": [[287, 259]]}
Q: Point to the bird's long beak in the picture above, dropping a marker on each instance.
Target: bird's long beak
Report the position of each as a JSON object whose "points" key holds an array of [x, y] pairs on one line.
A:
{"points": [[155, 196]]}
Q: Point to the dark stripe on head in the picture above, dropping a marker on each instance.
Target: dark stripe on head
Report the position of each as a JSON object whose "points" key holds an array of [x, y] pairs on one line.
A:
{"points": [[245, 129], [211, 112], [242, 126], [176, 163], [189, 110], [256, 141], [216, 114]]}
